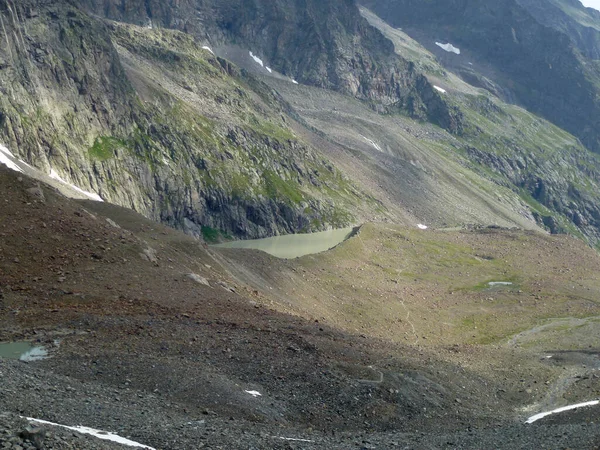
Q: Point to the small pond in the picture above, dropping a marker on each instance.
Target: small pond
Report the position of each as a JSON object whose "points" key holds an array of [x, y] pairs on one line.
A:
{"points": [[23, 351], [294, 245]]}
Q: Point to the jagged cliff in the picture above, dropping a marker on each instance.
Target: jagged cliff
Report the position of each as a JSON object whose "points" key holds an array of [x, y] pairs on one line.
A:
{"points": [[152, 121]]}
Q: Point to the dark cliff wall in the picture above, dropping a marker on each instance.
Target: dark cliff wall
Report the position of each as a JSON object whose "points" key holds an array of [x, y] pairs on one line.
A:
{"points": [[570, 17]]}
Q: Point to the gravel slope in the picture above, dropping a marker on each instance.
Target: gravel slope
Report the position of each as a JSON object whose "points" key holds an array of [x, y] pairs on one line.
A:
{"points": [[148, 353]]}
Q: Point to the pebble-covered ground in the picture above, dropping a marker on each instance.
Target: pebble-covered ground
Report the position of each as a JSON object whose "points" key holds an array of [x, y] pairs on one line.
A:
{"points": [[140, 348]]}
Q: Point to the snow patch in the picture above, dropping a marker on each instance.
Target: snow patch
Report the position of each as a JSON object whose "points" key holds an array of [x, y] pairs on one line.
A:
{"points": [[269, 69], [93, 432], [208, 49], [254, 393], [34, 354], [294, 81], [559, 410], [294, 439], [373, 143], [5, 158], [420, 226], [257, 59], [437, 88], [499, 283], [91, 195], [448, 47]]}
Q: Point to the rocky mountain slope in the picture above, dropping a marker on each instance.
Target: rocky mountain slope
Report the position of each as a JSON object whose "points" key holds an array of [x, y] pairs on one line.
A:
{"points": [[570, 17], [142, 348], [547, 167], [360, 123], [528, 62], [321, 43], [152, 121]]}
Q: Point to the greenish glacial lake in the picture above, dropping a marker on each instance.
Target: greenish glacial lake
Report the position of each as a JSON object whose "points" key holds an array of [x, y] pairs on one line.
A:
{"points": [[294, 245]]}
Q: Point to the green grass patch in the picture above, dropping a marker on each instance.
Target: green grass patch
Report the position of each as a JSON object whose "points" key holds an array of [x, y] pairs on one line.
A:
{"points": [[104, 148], [214, 236], [277, 188]]}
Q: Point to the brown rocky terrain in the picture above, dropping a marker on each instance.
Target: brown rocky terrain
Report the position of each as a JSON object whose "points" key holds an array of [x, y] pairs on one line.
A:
{"points": [[140, 348], [444, 335]]}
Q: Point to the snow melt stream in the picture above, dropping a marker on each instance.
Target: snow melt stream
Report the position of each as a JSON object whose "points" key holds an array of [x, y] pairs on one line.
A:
{"points": [[373, 143], [93, 432]]}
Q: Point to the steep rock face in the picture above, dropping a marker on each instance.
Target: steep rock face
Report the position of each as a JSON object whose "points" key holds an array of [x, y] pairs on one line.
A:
{"points": [[150, 120], [546, 166], [538, 65], [322, 43]]}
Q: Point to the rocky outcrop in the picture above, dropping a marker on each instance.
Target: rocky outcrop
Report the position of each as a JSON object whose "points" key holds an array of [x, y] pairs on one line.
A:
{"points": [[324, 43], [551, 189], [150, 120]]}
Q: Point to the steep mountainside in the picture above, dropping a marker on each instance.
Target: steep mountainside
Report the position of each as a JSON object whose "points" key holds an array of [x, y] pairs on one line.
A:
{"points": [[322, 43], [152, 121], [447, 180], [530, 63], [550, 169], [580, 24]]}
